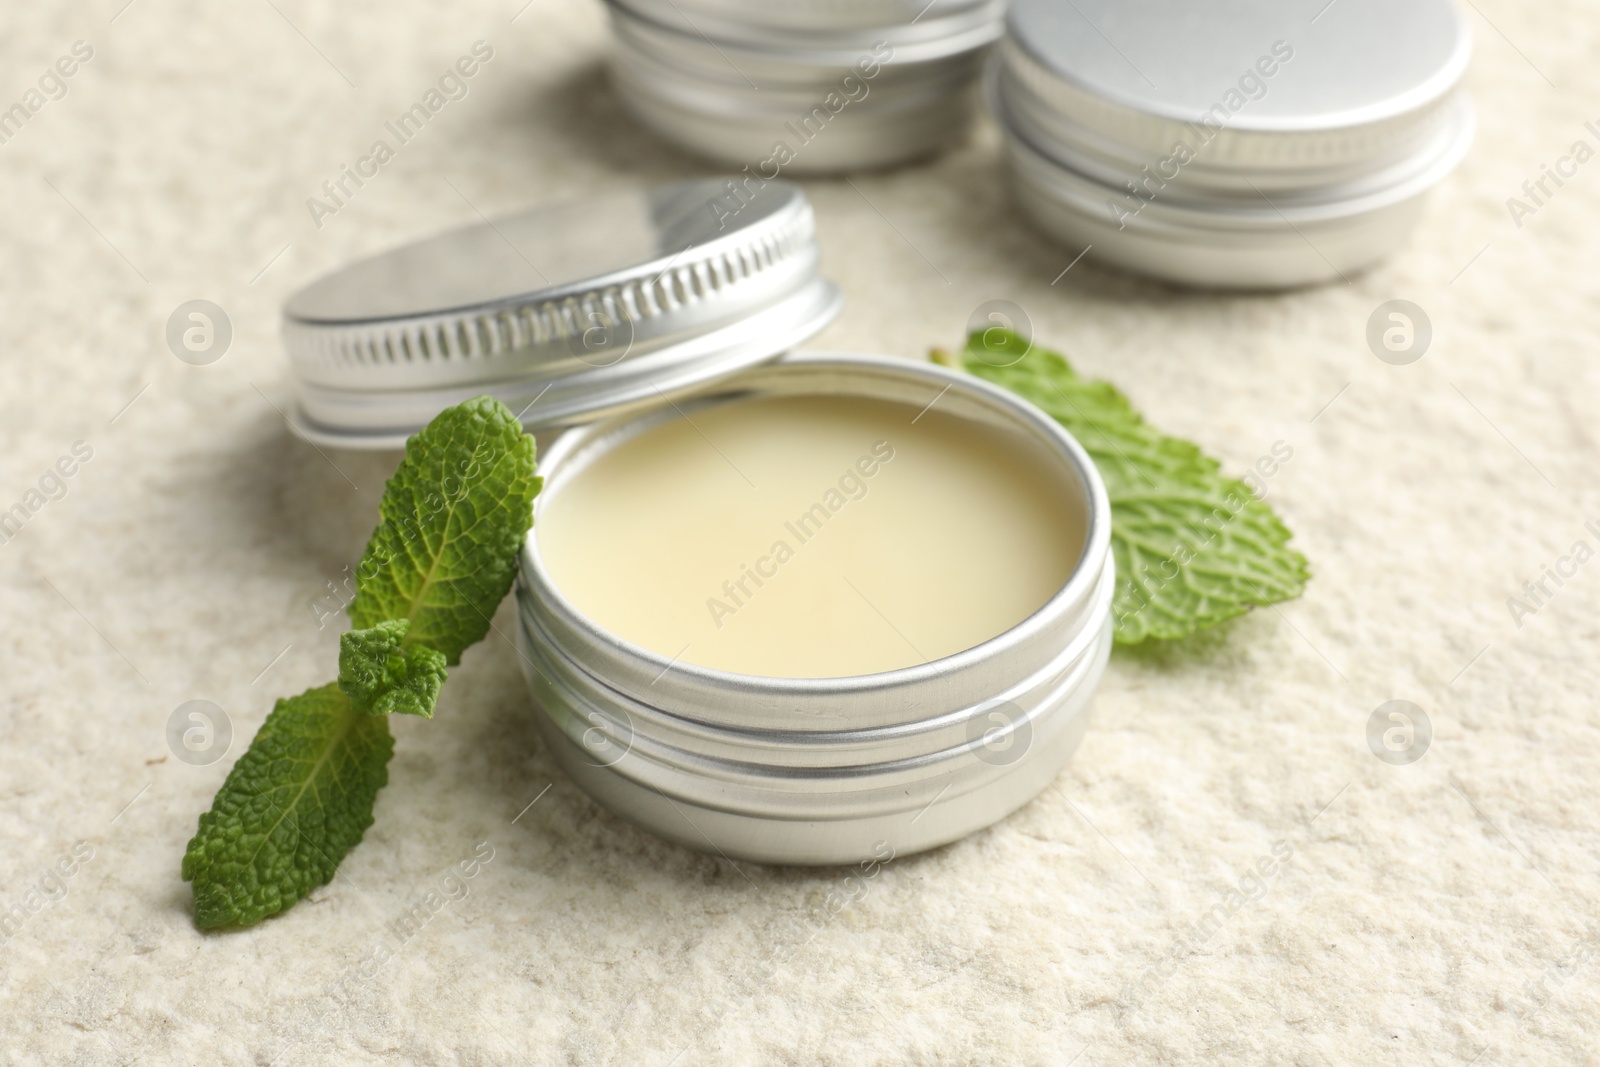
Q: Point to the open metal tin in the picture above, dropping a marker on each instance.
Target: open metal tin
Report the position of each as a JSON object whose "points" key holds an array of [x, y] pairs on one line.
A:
{"points": [[824, 770]]}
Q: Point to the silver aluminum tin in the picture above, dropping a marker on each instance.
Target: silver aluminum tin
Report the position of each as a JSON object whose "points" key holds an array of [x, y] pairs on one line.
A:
{"points": [[819, 771], [1322, 174], [732, 96], [567, 312]]}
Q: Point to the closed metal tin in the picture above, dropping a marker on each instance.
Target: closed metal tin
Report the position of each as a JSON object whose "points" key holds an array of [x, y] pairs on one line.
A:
{"points": [[838, 88], [1260, 145], [566, 313], [818, 771]]}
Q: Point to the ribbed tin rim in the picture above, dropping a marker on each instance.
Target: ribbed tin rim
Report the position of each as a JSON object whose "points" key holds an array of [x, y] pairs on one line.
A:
{"points": [[743, 289], [846, 750], [1089, 133], [797, 62], [1194, 216], [383, 419], [826, 39], [821, 15], [839, 791], [737, 701], [766, 808], [712, 80]]}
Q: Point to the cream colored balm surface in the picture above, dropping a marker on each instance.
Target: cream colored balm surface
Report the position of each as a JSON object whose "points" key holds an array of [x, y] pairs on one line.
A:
{"points": [[812, 537]]}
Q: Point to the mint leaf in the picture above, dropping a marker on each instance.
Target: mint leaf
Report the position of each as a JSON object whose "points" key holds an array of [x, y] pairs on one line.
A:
{"points": [[1192, 546], [452, 520], [293, 805], [383, 676]]}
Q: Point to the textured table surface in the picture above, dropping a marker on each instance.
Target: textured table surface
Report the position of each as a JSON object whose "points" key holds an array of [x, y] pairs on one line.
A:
{"points": [[1441, 912]]}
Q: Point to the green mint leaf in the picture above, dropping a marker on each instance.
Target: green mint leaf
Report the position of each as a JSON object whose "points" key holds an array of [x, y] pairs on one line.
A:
{"points": [[1192, 546], [384, 676], [452, 520], [294, 804]]}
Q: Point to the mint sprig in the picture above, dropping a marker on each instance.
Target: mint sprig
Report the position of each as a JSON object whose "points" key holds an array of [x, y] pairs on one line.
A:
{"points": [[452, 520], [1192, 546]]}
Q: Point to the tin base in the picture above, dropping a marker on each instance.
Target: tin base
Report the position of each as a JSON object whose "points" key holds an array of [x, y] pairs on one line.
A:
{"points": [[1211, 250], [825, 840], [860, 137]]}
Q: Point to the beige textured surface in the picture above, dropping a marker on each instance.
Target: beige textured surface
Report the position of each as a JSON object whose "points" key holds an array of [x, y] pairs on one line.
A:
{"points": [[1438, 913]]}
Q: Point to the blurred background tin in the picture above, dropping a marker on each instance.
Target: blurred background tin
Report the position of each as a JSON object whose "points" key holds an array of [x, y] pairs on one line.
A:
{"points": [[803, 88], [1250, 145]]}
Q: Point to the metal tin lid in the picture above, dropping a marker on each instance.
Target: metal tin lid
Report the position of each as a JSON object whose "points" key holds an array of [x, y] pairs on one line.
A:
{"points": [[567, 312], [1281, 97], [830, 25], [738, 40], [1361, 61], [716, 78]]}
